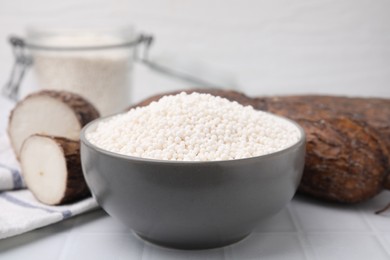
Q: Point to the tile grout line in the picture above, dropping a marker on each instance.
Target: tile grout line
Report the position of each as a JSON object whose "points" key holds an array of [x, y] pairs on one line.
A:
{"points": [[143, 244], [225, 254], [143, 250], [319, 232], [374, 231], [64, 250], [306, 246], [228, 252]]}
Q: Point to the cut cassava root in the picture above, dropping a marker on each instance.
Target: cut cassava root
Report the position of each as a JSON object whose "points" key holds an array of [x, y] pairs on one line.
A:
{"points": [[52, 171], [49, 112], [44, 129]]}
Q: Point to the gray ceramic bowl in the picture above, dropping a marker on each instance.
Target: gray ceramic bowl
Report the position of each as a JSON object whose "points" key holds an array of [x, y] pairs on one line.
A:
{"points": [[191, 205]]}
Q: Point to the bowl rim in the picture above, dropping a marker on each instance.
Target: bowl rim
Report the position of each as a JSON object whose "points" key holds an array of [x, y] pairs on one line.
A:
{"points": [[84, 140]]}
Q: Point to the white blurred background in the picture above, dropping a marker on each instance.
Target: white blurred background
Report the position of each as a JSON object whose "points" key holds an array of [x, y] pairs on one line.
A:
{"points": [[261, 47]]}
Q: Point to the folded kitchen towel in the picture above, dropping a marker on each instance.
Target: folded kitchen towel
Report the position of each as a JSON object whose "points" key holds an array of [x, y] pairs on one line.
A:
{"points": [[19, 210], [10, 177]]}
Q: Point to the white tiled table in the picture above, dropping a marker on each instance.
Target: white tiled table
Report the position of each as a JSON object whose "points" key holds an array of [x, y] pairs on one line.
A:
{"points": [[305, 229]]}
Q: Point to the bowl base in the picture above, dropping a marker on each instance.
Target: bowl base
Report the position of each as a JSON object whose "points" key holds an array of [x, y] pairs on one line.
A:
{"points": [[192, 246]]}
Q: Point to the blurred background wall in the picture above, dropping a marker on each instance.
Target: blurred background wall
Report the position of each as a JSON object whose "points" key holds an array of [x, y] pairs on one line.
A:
{"points": [[261, 47]]}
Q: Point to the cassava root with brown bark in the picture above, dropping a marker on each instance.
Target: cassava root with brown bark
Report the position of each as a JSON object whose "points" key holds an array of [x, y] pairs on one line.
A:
{"points": [[44, 131], [52, 171]]}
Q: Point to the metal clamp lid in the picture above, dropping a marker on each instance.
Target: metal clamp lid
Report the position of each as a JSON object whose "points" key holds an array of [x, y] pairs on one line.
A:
{"points": [[21, 63]]}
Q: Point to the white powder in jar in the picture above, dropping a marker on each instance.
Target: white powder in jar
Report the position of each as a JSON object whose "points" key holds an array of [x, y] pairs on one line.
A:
{"points": [[194, 127], [101, 76]]}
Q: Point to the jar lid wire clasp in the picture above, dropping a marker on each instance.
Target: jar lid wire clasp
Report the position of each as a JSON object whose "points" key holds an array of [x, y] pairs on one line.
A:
{"points": [[21, 63]]}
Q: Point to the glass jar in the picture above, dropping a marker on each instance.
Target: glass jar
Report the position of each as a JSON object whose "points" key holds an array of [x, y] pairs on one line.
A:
{"points": [[96, 64]]}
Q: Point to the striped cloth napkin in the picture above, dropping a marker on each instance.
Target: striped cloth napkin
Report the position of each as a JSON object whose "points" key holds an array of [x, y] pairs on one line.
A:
{"points": [[19, 210]]}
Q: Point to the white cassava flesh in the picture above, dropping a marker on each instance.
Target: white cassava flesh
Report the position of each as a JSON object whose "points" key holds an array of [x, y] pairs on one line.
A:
{"points": [[49, 112], [52, 171]]}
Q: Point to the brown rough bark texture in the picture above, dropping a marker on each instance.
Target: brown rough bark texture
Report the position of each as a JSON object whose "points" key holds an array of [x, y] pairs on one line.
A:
{"points": [[371, 113], [348, 141], [76, 187]]}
